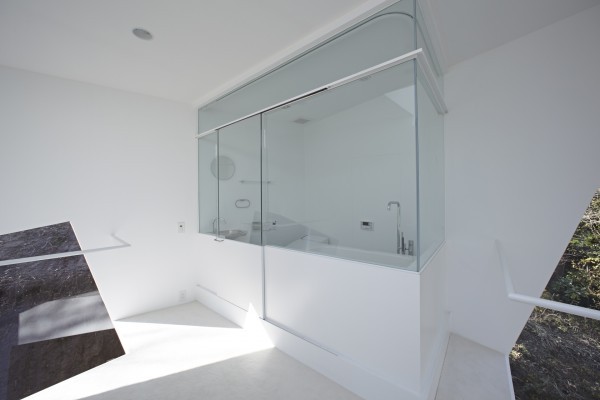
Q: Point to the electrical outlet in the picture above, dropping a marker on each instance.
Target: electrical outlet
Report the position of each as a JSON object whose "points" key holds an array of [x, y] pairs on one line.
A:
{"points": [[181, 227], [366, 225], [182, 296]]}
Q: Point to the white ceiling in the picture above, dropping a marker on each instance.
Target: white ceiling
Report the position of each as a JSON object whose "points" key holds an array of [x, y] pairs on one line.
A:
{"points": [[467, 28], [201, 47]]}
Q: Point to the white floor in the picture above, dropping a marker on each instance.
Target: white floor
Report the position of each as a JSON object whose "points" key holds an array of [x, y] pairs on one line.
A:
{"points": [[190, 352], [473, 372]]}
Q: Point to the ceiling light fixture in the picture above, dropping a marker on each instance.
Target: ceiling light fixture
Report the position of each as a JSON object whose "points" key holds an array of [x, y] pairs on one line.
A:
{"points": [[142, 34]]}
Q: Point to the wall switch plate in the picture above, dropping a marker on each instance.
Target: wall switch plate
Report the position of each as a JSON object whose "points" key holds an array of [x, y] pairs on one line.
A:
{"points": [[366, 225], [181, 227]]}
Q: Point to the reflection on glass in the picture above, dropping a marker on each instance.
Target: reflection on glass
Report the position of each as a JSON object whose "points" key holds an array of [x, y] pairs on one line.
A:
{"points": [[431, 175], [239, 181], [222, 167], [336, 160], [207, 183]]}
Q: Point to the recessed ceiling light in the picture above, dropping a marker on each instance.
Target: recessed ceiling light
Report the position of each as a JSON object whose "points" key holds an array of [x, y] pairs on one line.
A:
{"points": [[142, 34]]}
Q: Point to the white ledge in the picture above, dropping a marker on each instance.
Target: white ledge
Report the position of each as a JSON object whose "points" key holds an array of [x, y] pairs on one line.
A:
{"points": [[22, 260]]}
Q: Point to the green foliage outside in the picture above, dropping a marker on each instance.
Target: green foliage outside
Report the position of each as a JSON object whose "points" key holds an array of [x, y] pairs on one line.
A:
{"points": [[577, 278]]}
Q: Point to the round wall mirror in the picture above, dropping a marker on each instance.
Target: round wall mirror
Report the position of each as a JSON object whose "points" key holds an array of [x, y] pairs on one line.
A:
{"points": [[225, 170]]}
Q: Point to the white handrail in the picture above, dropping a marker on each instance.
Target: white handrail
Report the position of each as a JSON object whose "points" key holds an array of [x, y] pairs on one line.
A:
{"points": [[536, 301], [65, 254]]}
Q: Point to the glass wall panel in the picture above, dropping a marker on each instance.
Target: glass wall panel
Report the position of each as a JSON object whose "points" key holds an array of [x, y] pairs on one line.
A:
{"points": [[239, 181], [208, 185], [386, 35], [341, 171], [430, 173], [424, 42]]}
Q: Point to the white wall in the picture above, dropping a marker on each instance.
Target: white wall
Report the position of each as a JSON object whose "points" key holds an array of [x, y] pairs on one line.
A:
{"points": [[522, 142], [108, 161]]}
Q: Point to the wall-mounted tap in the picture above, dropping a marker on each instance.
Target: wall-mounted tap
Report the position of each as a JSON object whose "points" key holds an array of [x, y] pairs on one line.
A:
{"points": [[215, 221], [391, 203], [399, 246]]}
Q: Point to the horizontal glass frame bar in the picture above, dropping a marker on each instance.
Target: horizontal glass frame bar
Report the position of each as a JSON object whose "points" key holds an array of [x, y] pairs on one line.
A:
{"points": [[418, 54]]}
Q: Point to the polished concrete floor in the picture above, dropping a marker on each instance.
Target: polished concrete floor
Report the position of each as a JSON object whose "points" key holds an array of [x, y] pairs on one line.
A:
{"points": [[190, 352]]}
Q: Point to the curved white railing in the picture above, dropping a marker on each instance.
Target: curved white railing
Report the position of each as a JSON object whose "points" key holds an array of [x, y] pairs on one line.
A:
{"points": [[536, 301], [22, 260]]}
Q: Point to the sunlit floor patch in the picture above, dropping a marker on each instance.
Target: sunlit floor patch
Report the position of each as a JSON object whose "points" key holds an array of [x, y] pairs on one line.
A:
{"points": [[190, 352]]}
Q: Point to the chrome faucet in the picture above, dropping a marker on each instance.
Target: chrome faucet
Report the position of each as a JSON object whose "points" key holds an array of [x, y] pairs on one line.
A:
{"points": [[399, 242]]}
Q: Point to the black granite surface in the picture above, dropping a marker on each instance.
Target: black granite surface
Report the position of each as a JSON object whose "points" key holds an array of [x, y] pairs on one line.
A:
{"points": [[23, 286], [36, 366], [51, 239], [27, 285]]}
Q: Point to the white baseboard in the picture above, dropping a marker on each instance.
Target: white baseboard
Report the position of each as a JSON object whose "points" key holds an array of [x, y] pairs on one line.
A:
{"points": [[221, 306], [432, 379]]}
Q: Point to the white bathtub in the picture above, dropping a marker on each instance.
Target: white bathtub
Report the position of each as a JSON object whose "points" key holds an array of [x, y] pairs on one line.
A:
{"points": [[319, 245]]}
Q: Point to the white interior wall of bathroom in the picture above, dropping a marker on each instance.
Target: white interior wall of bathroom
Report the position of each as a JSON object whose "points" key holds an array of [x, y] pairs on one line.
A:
{"points": [[358, 160], [331, 173], [286, 172], [108, 161], [522, 142]]}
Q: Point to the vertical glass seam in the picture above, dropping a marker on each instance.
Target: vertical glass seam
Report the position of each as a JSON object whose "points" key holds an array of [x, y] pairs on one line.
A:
{"points": [[218, 153], [263, 187], [198, 205], [417, 170]]}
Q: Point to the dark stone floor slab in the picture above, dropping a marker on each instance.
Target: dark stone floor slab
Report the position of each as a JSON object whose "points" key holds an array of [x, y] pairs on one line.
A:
{"points": [[23, 286], [51, 239], [27, 285], [36, 366]]}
